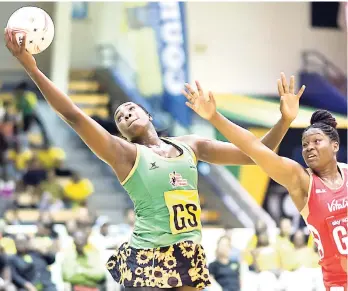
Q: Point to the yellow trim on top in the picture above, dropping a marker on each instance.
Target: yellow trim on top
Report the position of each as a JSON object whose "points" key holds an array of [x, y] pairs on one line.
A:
{"points": [[135, 166]]}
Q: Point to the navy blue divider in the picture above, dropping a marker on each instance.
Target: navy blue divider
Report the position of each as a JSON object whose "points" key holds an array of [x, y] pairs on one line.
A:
{"points": [[321, 94]]}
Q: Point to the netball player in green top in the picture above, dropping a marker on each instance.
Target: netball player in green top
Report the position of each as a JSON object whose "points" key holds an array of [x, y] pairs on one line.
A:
{"points": [[160, 176]]}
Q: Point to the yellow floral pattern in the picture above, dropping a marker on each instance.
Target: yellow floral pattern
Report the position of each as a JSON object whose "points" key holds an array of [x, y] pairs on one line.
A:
{"points": [[182, 264]]}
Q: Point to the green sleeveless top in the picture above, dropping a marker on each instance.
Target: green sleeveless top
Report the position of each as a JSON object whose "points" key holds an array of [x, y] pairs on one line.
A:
{"points": [[165, 197]]}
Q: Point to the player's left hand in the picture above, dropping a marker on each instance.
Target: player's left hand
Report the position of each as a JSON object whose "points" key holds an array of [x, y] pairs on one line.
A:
{"points": [[204, 106], [289, 101]]}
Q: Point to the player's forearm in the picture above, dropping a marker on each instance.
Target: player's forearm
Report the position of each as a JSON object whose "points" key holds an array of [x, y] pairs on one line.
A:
{"points": [[240, 137], [274, 137], [54, 96]]}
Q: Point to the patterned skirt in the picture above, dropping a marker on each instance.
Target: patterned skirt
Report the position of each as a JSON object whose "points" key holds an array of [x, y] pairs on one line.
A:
{"points": [[181, 264]]}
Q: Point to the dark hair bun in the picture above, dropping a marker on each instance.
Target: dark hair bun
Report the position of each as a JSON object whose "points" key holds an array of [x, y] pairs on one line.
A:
{"points": [[323, 116]]}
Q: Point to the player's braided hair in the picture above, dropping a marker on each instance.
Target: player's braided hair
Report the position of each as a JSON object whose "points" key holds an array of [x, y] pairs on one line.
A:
{"points": [[325, 121]]}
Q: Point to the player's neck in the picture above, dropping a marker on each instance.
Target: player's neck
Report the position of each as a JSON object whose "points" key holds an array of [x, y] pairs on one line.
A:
{"points": [[149, 138], [223, 260], [330, 172]]}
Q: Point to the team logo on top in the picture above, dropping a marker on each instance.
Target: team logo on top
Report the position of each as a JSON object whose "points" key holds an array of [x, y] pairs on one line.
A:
{"points": [[320, 191], [176, 180], [337, 205]]}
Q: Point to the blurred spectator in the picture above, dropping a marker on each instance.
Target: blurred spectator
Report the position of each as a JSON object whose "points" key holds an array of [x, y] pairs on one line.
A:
{"points": [[223, 270], [30, 267], [82, 265], [284, 245], [51, 193], [46, 235], [35, 173], [303, 256], [266, 264], [260, 228], [68, 242], [6, 242], [85, 220], [235, 254], [48, 156], [100, 236], [71, 227], [26, 102], [7, 137], [307, 274], [19, 157], [266, 256], [5, 273], [60, 169], [124, 230], [78, 190]]}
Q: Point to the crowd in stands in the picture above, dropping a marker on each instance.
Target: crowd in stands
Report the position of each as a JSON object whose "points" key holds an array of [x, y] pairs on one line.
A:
{"points": [[285, 262], [38, 193]]}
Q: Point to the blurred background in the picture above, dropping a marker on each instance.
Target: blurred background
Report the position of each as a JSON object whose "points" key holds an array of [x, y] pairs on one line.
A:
{"points": [[63, 212]]}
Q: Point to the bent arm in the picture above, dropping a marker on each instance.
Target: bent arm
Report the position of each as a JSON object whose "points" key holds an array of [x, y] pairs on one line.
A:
{"points": [[284, 171], [225, 153], [107, 147]]}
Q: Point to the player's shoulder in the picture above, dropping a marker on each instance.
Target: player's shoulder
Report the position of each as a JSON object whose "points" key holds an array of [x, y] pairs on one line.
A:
{"points": [[191, 140]]}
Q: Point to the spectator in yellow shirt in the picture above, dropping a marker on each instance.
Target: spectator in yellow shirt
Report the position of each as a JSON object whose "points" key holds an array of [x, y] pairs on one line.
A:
{"points": [[304, 256], [78, 190], [6, 243], [26, 104], [19, 158], [266, 256], [260, 228], [49, 155], [284, 245]]}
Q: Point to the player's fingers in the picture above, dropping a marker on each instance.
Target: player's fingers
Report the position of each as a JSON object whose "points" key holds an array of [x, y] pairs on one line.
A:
{"points": [[299, 94], [187, 95], [211, 97], [284, 82], [190, 89], [292, 85], [7, 37], [188, 104], [280, 88], [22, 46], [13, 39], [199, 88]]}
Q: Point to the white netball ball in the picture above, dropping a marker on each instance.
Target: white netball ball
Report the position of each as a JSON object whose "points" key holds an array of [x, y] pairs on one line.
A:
{"points": [[36, 24]]}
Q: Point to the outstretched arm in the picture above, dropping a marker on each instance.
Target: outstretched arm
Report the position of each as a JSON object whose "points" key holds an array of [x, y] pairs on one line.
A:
{"points": [[225, 153], [286, 172], [109, 148]]}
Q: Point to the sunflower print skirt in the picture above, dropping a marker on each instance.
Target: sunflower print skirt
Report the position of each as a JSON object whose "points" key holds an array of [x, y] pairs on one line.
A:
{"points": [[181, 264]]}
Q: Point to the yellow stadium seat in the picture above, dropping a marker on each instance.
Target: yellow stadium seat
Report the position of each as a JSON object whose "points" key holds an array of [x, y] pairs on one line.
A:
{"points": [[84, 86]]}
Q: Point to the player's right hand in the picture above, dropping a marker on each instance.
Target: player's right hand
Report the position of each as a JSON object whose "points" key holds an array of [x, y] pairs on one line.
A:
{"points": [[19, 51], [204, 106]]}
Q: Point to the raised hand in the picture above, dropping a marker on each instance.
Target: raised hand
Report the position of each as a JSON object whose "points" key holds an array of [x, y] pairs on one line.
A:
{"points": [[204, 106], [289, 101], [19, 51]]}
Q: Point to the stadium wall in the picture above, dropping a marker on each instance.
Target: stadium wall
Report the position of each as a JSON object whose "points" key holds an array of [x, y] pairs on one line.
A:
{"points": [[242, 47]]}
